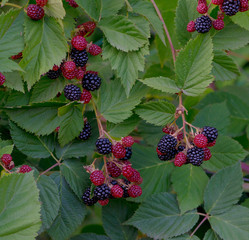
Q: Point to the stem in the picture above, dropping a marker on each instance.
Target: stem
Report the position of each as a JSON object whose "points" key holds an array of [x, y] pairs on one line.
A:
{"points": [[166, 30], [245, 167], [55, 165], [101, 130], [11, 5], [202, 214], [8, 171], [237, 55], [203, 220]]}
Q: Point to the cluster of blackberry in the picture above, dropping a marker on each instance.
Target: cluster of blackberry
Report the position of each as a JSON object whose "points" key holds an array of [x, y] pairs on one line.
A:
{"points": [[193, 150], [204, 23], [75, 66], [108, 183]]}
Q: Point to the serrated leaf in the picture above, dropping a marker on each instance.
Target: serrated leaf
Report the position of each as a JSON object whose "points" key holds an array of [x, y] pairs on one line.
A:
{"points": [[92, 8], [45, 46], [54, 8], [76, 176], [111, 7], [158, 213], [19, 207], [6, 149], [223, 190], [71, 126], [224, 68], [211, 235], [189, 183], [159, 113], [92, 236], [186, 237], [185, 12], [30, 144], [232, 224], [224, 39], [124, 128], [71, 213], [147, 10], [13, 80], [141, 24], [113, 103], [47, 89], [49, 198], [242, 19], [7, 65], [121, 33], [163, 84], [114, 215], [194, 65], [226, 152], [126, 64], [41, 120], [145, 160]]}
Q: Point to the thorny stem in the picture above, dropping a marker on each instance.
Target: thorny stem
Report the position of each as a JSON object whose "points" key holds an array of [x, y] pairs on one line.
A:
{"points": [[203, 220], [101, 130], [165, 29], [55, 165], [11, 5], [5, 168]]}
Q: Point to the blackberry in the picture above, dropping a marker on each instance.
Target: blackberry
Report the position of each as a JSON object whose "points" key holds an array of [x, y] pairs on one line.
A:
{"points": [[125, 194], [104, 146], [211, 133], [180, 148], [114, 182], [86, 132], [72, 92], [203, 24], [128, 153], [167, 143], [80, 58], [230, 7], [168, 156], [86, 198], [54, 74], [91, 82], [126, 181], [195, 156], [102, 192]]}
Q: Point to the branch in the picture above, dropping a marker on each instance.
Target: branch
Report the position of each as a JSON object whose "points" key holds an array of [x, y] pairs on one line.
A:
{"points": [[165, 29], [245, 167], [55, 165], [203, 220]]}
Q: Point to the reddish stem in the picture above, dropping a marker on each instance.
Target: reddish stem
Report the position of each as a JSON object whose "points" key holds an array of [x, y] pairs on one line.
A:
{"points": [[55, 165], [203, 220], [245, 167], [5, 168]]}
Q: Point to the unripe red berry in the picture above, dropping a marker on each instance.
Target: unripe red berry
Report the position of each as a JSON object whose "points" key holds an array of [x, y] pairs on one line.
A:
{"points": [[72, 3], [127, 171], [6, 159], [94, 50], [35, 12], [97, 177], [117, 191], [128, 141], [200, 141], [211, 144], [103, 202], [207, 154], [86, 96], [218, 24], [79, 42], [191, 26], [118, 150], [89, 26], [180, 159], [135, 176], [113, 169], [69, 66], [2, 79], [135, 191], [202, 8], [80, 73], [41, 3], [217, 2], [25, 169], [19, 55]]}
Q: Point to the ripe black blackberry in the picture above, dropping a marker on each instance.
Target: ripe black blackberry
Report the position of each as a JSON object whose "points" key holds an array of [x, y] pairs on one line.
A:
{"points": [[72, 92], [167, 143], [195, 156], [104, 146], [91, 82], [203, 24], [230, 7], [54, 74], [102, 192], [211, 133], [180, 148], [80, 58], [86, 198], [86, 132], [114, 182], [168, 156], [125, 194], [128, 153]]}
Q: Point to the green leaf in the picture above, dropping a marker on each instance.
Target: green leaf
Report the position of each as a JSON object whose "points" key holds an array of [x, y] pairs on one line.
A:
{"points": [[124, 128], [226, 152], [92, 236], [185, 237], [147, 10], [245, 203], [223, 190], [76, 176], [224, 39], [40, 120], [159, 113], [185, 12], [29, 144], [126, 64], [45, 46], [47, 89], [113, 103], [71, 214], [71, 126], [50, 201], [232, 224], [224, 68], [121, 33], [163, 84], [111, 7], [211, 235], [6, 149], [7, 65], [114, 215], [54, 8], [158, 213], [194, 65], [242, 19], [189, 183], [19, 207], [92, 8], [14, 81], [155, 173]]}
